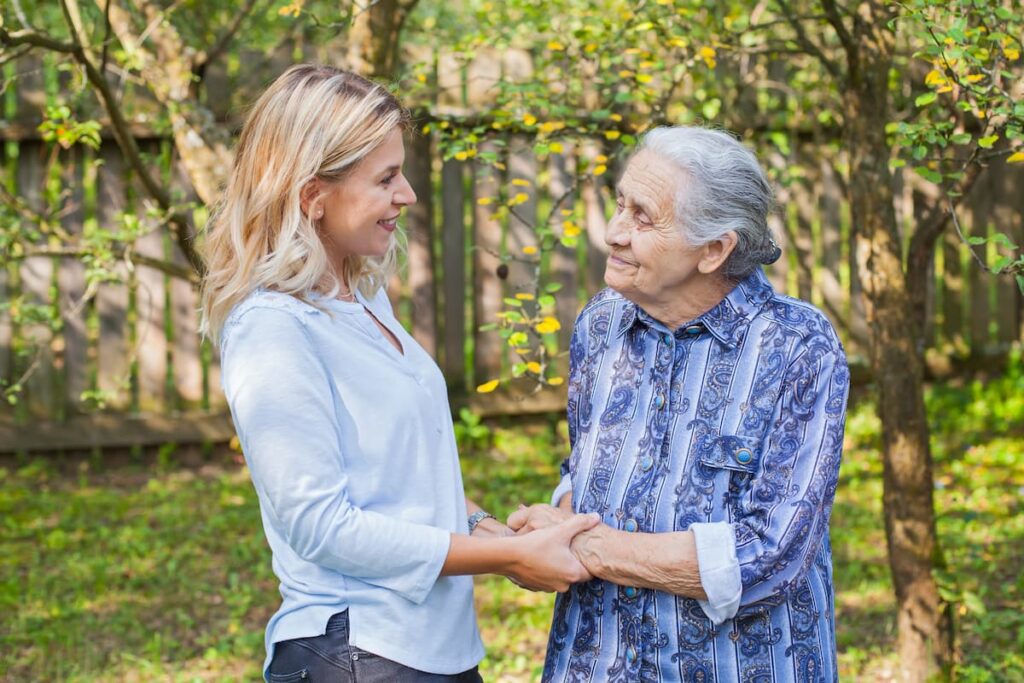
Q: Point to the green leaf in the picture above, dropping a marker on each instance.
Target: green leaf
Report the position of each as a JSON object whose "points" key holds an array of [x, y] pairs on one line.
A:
{"points": [[928, 174], [961, 138], [974, 603], [986, 143], [553, 287], [925, 99], [975, 240]]}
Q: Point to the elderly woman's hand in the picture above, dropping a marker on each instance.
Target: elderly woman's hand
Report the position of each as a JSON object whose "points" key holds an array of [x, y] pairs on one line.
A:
{"points": [[544, 559], [536, 517]]}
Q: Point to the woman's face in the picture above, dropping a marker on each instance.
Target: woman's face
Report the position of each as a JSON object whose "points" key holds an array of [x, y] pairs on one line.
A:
{"points": [[360, 212], [649, 258]]}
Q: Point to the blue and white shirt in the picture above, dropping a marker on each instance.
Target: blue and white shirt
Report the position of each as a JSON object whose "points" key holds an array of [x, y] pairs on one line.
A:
{"points": [[730, 426], [352, 453]]}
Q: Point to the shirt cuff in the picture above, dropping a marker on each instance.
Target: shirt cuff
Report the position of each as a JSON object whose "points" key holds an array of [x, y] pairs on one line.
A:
{"points": [[564, 487], [719, 570], [423, 580]]}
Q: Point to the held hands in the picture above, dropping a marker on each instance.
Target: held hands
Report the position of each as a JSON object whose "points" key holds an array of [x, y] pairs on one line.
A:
{"points": [[545, 560]]}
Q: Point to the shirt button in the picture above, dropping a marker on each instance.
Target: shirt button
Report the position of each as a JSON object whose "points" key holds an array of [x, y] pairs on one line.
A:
{"points": [[693, 330], [630, 525], [355, 656], [743, 456], [629, 592], [659, 401], [631, 654], [667, 338], [646, 463]]}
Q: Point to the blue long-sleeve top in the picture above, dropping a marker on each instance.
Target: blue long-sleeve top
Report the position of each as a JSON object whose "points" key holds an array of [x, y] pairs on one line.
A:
{"points": [[730, 426]]}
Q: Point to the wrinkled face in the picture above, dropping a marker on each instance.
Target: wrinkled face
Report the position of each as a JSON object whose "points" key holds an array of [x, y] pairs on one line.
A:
{"points": [[360, 212], [650, 259]]}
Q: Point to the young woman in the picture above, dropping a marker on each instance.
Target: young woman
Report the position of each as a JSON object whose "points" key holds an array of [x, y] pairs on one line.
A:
{"points": [[342, 416]]}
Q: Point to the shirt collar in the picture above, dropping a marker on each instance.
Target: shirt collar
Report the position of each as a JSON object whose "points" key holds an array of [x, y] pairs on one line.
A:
{"points": [[726, 321]]}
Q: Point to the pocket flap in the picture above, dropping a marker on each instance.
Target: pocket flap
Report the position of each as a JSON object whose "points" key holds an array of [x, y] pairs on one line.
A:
{"points": [[729, 451]]}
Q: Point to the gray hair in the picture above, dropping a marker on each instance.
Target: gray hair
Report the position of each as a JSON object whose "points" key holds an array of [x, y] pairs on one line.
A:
{"points": [[725, 190]]}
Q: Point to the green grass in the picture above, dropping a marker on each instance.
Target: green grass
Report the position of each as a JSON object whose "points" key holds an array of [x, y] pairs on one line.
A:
{"points": [[155, 567]]}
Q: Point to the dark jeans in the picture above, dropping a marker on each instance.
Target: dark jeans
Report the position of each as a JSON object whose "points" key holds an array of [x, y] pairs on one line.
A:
{"points": [[330, 659]]}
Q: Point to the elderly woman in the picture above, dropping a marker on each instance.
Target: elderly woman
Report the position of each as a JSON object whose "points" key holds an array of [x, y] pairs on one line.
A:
{"points": [[706, 416]]}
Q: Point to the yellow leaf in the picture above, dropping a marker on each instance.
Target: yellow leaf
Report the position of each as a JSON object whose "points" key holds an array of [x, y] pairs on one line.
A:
{"points": [[934, 78], [625, 73], [644, 78], [1011, 53], [461, 156], [528, 251], [534, 367], [600, 169], [426, 129], [572, 230], [566, 212], [548, 325], [483, 201], [551, 126], [556, 147], [556, 381], [422, 78], [520, 198], [615, 117], [974, 78], [589, 47], [555, 45], [520, 182], [612, 134], [488, 387], [1016, 158], [600, 158], [707, 52], [529, 119]]}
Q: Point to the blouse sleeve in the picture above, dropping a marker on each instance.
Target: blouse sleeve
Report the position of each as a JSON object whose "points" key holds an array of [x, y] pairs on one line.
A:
{"points": [[779, 524]]}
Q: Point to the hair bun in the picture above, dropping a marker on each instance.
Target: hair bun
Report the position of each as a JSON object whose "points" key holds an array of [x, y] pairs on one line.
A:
{"points": [[772, 254]]}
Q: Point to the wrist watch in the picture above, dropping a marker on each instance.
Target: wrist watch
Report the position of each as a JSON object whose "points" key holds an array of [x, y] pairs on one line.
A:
{"points": [[478, 517]]}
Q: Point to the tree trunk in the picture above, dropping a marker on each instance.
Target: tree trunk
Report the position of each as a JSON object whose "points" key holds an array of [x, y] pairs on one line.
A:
{"points": [[924, 627], [373, 38]]}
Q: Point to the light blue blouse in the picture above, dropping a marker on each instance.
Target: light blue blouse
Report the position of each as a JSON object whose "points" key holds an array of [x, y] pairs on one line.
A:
{"points": [[352, 454]]}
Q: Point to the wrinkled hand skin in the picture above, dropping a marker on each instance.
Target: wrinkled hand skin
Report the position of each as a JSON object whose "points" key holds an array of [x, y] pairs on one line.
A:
{"points": [[558, 527]]}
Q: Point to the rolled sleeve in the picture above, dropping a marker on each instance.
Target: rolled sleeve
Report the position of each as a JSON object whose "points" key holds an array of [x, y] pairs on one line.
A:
{"points": [[564, 487], [719, 570], [281, 401], [782, 519]]}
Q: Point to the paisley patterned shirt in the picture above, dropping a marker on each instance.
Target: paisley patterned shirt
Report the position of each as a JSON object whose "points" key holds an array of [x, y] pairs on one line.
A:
{"points": [[731, 426]]}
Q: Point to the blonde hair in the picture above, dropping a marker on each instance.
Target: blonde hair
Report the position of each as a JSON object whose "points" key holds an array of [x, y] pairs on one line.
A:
{"points": [[312, 122]]}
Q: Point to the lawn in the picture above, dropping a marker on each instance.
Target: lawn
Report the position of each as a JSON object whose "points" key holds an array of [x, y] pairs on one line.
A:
{"points": [[153, 566]]}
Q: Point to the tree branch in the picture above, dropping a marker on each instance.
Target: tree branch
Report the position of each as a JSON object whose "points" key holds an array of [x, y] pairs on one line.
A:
{"points": [[206, 57], [124, 254], [180, 225], [805, 41]]}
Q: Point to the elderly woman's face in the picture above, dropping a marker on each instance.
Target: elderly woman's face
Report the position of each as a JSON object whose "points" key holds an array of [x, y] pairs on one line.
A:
{"points": [[649, 256]]}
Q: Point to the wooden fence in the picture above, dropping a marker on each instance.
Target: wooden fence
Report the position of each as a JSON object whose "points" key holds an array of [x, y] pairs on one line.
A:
{"points": [[135, 346]]}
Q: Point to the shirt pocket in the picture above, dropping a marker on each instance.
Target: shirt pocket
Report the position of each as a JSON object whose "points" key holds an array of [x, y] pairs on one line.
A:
{"points": [[732, 452], [732, 461]]}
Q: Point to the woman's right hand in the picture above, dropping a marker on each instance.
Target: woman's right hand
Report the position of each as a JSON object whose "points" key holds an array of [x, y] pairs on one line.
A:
{"points": [[543, 560]]}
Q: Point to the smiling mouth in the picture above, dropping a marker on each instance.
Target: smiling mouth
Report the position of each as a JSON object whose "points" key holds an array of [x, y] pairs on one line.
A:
{"points": [[389, 224], [618, 260]]}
